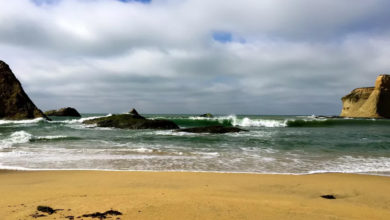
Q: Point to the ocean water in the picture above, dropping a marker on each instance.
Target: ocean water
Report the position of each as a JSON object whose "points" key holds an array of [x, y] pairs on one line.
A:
{"points": [[273, 144]]}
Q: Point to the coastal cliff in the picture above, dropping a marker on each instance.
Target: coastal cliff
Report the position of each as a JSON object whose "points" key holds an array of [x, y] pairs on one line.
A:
{"points": [[369, 102], [14, 102]]}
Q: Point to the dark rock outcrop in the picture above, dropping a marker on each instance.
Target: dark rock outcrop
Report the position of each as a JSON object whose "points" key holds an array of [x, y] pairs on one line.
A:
{"points": [[130, 121], [68, 111], [14, 102], [207, 115], [211, 129], [369, 102], [135, 114]]}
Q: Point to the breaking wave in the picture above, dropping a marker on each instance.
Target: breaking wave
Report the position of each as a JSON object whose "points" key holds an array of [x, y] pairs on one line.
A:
{"points": [[21, 137], [80, 120], [18, 137], [230, 120], [307, 121], [28, 121]]}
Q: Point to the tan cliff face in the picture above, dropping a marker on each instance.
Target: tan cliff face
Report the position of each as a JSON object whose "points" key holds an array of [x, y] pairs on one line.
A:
{"points": [[369, 102]]}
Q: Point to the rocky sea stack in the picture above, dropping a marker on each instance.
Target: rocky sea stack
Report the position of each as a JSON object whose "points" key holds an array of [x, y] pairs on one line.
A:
{"points": [[369, 102], [132, 121], [14, 102], [135, 114], [68, 111]]}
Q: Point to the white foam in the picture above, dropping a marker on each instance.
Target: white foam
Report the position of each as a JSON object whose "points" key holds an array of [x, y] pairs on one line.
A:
{"points": [[142, 157], [349, 164], [209, 154], [78, 123], [81, 120], [18, 137], [18, 168], [50, 137], [175, 133], [142, 150], [242, 122], [246, 122], [29, 121]]}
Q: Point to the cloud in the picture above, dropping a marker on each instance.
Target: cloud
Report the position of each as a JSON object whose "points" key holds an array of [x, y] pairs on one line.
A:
{"points": [[193, 56]]}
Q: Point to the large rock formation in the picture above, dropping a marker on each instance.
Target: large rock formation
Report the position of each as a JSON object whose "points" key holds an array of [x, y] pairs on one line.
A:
{"points": [[131, 121], [68, 111], [14, 102], [369, 102]]}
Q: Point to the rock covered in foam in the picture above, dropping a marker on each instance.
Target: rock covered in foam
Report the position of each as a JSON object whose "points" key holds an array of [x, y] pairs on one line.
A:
{"points": [[369, 102], [14, 102]]}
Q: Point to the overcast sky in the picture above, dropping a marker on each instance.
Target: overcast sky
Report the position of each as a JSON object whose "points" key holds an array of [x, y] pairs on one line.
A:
{"points": [[195, 56]]}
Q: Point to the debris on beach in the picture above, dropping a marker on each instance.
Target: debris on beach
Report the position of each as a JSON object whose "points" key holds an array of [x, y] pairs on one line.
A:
{"points": [[37, 215], [46, 209], [102, 215], [328, 196]]}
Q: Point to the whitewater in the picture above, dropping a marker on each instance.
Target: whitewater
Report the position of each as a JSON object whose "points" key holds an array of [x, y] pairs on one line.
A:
{"points": [[273, 144]]}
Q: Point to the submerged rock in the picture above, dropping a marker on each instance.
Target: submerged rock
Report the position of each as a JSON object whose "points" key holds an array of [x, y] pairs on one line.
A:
{"points": [[14, 102], [369, 102], [212, 129], [130, 121], [207, 115], [68, 111]]}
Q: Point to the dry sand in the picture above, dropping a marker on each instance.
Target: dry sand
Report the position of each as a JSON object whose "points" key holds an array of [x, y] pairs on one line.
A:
{"points": [[182, 195]]}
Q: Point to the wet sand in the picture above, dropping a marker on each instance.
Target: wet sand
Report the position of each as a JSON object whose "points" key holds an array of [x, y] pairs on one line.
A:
{"points": [[186, 195]]}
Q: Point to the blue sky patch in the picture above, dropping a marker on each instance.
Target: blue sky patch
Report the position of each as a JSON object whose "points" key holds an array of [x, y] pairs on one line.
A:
{"points": [[223, 36], [142, 1], [40, 2]]}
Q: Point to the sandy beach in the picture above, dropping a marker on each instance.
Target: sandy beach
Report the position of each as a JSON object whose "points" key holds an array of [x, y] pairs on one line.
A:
{"points": [[185, 195]]}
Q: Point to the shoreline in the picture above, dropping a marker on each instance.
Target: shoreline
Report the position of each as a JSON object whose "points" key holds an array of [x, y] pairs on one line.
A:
{"points": [[197, 171], [194, 195]]}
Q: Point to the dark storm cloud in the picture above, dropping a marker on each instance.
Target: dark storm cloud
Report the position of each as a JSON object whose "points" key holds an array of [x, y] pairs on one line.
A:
{"points": [[254, 57]]}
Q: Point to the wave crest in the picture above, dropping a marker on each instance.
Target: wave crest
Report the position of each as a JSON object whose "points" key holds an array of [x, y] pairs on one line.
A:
{"points": [[18, 137], [233, 120], [27, 121], [81, 120], [21, 137]]}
